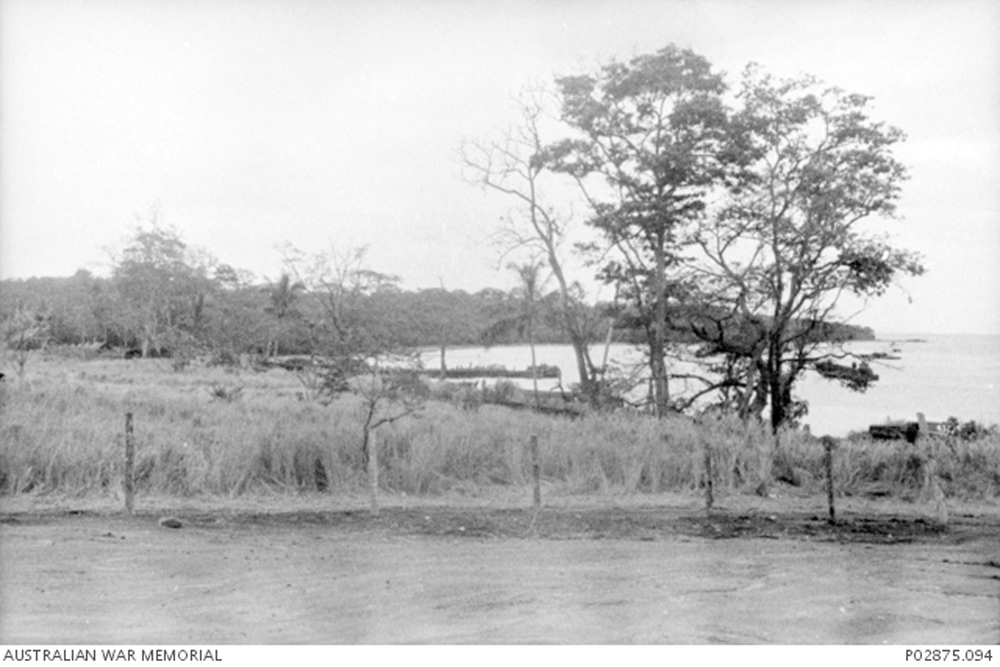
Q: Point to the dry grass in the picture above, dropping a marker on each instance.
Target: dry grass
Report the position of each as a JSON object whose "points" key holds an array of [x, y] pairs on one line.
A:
{"points": [[205, 431]]}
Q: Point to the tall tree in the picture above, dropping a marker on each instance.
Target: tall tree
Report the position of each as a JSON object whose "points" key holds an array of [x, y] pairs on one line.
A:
{"points": [[235, 322], [776, 259], [515, 166], [161, 286], [340, 285], [650, 141]]}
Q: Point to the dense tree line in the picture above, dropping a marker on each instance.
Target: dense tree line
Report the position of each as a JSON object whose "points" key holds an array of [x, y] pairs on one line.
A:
{"points": [[162, 299], [228, 313]]}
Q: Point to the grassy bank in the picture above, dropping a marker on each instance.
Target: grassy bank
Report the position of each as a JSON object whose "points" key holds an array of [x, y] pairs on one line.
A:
{"points": [[206, 431]]}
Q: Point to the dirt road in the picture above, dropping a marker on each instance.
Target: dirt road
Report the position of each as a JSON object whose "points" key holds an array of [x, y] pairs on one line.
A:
{"points": [[452, 576]]}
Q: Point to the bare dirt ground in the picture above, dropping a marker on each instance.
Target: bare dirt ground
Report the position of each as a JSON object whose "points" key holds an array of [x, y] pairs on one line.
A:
{"points": [[572, 574]]}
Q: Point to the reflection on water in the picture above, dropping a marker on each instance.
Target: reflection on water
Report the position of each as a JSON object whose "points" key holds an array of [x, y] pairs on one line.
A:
{"points": [[941, 376]]}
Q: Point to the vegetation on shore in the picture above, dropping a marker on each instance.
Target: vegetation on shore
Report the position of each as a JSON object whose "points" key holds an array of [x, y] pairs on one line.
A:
{"points": [[84, 309], [211, 432]]}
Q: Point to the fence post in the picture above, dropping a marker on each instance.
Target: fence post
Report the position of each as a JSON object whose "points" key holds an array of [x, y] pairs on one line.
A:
{"points": [[536, 472], [129, 465], [373, 470], [828, 444], [709, 489], [931, 481]]}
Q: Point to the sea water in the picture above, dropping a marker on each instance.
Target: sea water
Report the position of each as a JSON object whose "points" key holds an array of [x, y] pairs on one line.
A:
{"points": [[939, 375]]}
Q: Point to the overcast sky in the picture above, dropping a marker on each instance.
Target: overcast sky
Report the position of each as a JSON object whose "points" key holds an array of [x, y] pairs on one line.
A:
{"points": [[254, 123]]}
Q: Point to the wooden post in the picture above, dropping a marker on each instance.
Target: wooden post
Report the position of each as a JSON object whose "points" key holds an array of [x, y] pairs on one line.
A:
{"points": [[536, 472], [828, 444], [129, 481], [709, 489], [931, 482], [373, 470]]}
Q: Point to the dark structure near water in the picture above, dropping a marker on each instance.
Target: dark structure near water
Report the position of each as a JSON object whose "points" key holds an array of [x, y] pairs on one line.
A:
{"points": [[908, 431], [902, 431]]}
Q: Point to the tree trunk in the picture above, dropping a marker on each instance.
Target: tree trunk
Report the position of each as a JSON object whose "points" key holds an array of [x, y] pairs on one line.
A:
{"points": [[534, 373], [760, 391], [572, 326], [658, 370], [583, 366], [779, 395], [657, 346]]}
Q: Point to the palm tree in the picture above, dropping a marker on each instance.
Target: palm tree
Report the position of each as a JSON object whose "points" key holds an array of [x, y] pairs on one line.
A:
{"points": [[530, 294], [282, 295]]}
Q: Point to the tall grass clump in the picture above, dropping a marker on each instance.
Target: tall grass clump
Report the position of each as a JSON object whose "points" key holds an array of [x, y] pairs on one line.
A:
{"points": [[48, 441], [744, 454], [971, 468], [449, 447], [966, 469], [70, 437], [62, 430], [622, 453]]}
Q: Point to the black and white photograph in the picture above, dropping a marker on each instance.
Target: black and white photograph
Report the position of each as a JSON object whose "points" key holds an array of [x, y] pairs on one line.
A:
{"points": [[341, 324]]}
